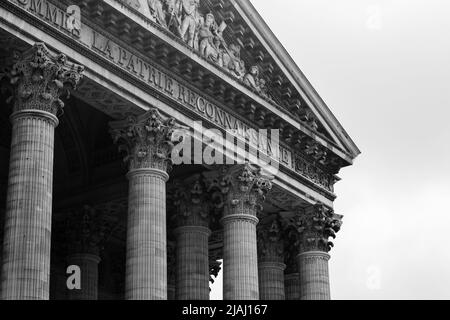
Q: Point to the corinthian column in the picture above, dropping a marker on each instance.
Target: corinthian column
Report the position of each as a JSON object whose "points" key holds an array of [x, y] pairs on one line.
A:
{"points": [[147, 141], [192, 233], [39, 78], [315, 227], [243, 189], [85, 234], [271, 261]]}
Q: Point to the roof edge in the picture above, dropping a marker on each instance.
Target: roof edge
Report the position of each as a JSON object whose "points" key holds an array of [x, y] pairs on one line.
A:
{"points": [[295, 72]]}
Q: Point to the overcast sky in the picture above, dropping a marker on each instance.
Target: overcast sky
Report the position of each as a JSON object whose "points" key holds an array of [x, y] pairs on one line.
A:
{"points": [[383, 68]]}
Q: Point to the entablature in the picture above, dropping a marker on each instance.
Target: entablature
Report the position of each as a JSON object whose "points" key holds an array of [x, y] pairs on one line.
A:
{"points": [[122, 20], [309, 167]]}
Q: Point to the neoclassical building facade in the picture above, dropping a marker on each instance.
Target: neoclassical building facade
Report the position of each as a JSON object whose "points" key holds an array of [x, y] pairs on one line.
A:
{"points": [[116, 179]]}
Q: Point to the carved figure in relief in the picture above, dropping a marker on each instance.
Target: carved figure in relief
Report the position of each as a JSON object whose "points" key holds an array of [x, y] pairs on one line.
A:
{"points": [[251, 79], [233, 62], [135, 4], [262, 90], [211, 43], [203, 34], [206, 36], [157, 11], [174, 11], [190, 21]]}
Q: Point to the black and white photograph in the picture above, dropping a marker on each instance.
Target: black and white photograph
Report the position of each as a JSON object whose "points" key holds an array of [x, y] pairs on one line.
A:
{"points": [[249, 151]]}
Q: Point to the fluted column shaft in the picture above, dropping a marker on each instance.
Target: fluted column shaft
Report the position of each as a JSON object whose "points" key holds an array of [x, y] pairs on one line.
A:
{"points": [[271, 259], [88, 264], [240, 258], [315, 226], [313, 276], [147, 142], [146, 258], [39, 78], [243, 189], [271, 280], [192, 261], [26, 246], [292, 286], [171, 270], [171, 291], [192, 204]]}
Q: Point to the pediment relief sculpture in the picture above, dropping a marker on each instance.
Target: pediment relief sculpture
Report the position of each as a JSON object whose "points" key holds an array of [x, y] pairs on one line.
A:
{"points": [[204, 34]]}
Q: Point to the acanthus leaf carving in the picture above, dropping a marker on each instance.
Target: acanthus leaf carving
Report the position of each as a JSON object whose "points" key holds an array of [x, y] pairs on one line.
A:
{"points": [[41, 77], [271, 241], [146, 140], [314, 227], [86, 230], [192, 202], [241, 186], [171, 262]]}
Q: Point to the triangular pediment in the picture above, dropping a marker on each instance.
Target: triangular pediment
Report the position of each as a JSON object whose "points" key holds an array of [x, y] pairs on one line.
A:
{"points": [[232, 35]]}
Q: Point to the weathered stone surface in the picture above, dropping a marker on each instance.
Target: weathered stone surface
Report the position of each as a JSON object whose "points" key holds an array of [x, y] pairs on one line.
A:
{"points": [[192, 263], [147, 141], [135, 64], [292, 286], [243, 188], [271, 260], [171, 270], [39, 78], [313, 229], [192, 251]]}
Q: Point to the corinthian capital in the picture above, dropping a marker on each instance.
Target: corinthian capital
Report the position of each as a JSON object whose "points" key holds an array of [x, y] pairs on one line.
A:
{"points": [[270, 241], [40, 78], [146, 139], [192, 202], [242, 186], [86, 230], [315, 227]]}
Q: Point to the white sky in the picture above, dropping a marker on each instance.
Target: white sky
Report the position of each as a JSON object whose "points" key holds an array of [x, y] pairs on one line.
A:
{"points": [[383, 68]]}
